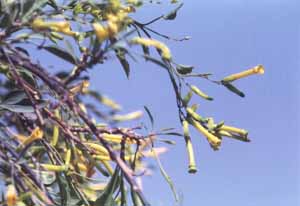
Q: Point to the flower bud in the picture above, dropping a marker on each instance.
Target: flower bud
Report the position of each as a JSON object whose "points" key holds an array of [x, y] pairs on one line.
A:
{"points": [[194, 115], [197, 91], [187, 98]]}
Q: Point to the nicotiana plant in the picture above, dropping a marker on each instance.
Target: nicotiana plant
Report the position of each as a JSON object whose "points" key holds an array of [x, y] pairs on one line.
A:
{"points": [[60, 142]]}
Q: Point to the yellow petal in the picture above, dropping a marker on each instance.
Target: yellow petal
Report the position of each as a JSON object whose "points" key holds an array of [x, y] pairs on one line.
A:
{"points": [[11, 195], [259, 69], [214, 141], [101, 32]]}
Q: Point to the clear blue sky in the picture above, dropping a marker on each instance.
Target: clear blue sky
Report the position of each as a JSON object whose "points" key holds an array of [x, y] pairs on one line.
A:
{"points": [[227, 36]]}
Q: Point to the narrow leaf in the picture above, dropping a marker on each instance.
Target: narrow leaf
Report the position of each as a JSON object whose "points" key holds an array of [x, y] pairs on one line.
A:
{"points": [[121, 57], [233, 89], [172, 15], [62, 53], [150, 116], [30, 9], [106, 198], [13, 97], [166, 176]]}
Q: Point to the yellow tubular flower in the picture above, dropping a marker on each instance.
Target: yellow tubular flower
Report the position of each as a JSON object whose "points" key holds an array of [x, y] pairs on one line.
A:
{"points": [[113, 18], [98, 148], [214, 141], [113, 28], [128, 117], [234, 130], [128, 9], [189, 147], [11, 195], [259, 69], [59, 26], [82, 107], [39, 24], [165, 51], [55, 168], [110, 103], [224, 133], [112, 137], [115, 4], [99, 186], [101, 32], [68, 157], [20, 138], [36, 134], [55, 134], [85, 85], [107, 157], [82, 167]]}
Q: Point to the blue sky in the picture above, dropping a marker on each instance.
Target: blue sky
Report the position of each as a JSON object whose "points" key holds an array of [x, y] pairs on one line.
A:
{"points": [[227, 36]]}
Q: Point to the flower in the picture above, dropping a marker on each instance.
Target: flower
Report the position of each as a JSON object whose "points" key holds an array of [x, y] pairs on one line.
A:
{"points": [[57, 26], [214, 141], [259, 69], [165, 51], [11, 195]]}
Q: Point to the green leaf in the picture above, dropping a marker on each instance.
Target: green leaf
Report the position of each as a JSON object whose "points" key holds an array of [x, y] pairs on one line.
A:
{"points": [[30, 7], [69, 48], [233, 89], [121, 57], [106, 198], [53, 4], [123, 191], [167, 129], [173, 134], [13, 97], [172, 15], [184, 69], [65, 192], [150, 116], [21, 107], [27, 76], [156, 61], [47, 177], [62, 53], [146, 50], [166, 176], [167, 141], [135, 198], [17, 108]]}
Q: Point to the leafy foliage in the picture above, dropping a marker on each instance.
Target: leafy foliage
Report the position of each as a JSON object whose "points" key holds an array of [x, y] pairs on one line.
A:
{"points": [[58, 148]]}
